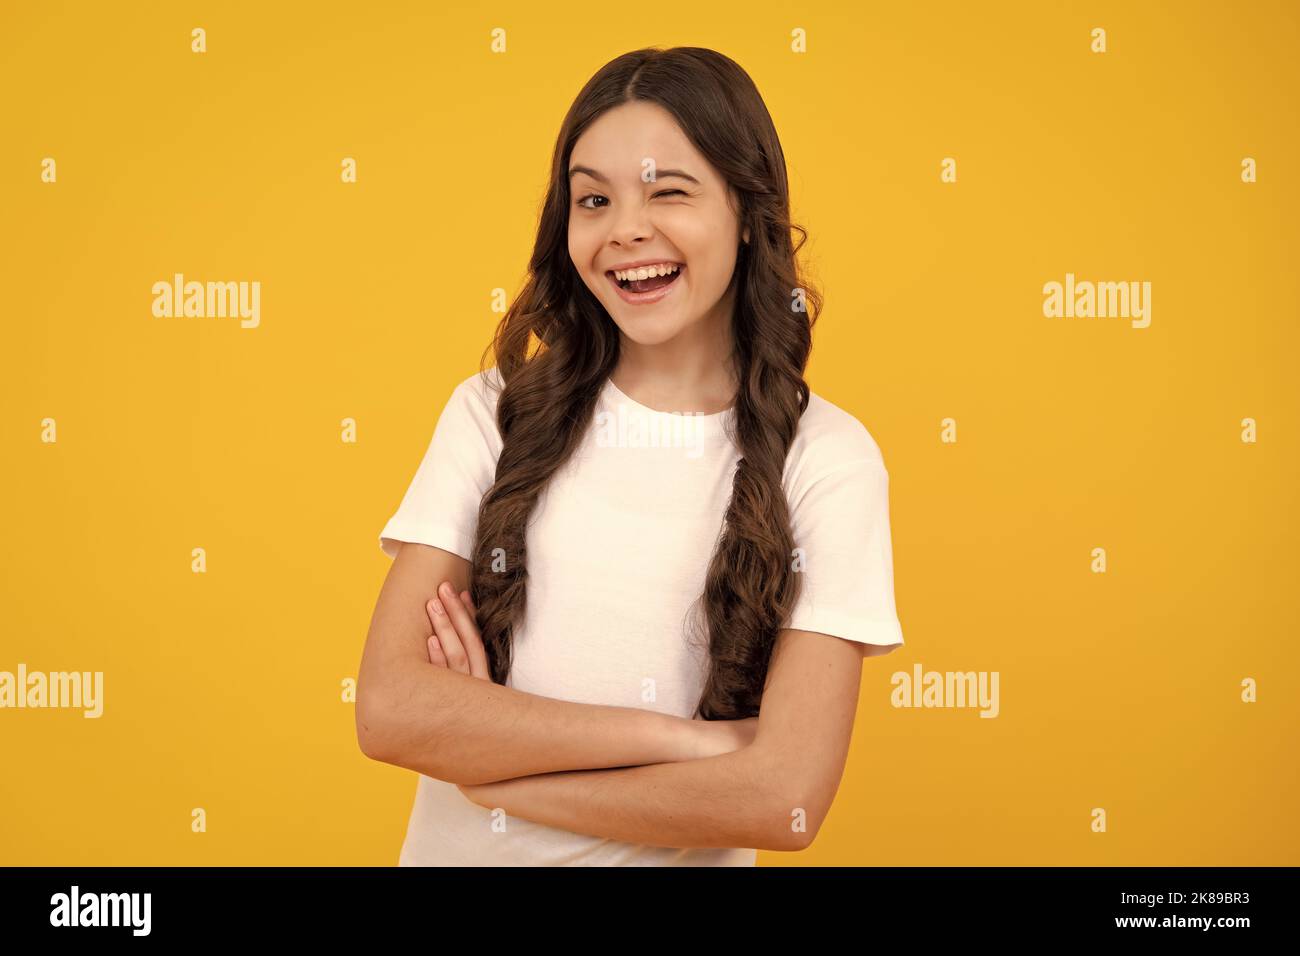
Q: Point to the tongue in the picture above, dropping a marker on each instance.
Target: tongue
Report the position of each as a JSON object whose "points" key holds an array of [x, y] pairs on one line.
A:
{"points": [[654, 282]]}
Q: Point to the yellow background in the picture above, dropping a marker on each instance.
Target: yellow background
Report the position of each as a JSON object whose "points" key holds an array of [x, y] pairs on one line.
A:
{"points": [[222, 690]]}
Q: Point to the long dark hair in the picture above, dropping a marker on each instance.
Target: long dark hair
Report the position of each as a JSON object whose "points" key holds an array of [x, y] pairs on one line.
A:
{"points": [[556, 346]]}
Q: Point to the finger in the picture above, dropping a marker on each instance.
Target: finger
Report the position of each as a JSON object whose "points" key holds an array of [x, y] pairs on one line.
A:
{"points": [[467, 630], [436, 656], [463, 618], [445, 631]]}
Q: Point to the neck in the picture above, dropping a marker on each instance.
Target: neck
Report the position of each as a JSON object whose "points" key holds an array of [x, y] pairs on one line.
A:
{"points": [[693, 371]]}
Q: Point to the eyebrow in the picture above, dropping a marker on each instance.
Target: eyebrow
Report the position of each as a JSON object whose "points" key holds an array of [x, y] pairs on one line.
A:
{"points": [[659, 174]]}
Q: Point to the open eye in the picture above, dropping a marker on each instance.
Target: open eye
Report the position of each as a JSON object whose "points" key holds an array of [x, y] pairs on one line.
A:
{"points": [[591, 196]]}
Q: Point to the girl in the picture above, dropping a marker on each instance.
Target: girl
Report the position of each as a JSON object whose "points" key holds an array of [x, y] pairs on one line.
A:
{"points": [[622, 585]]}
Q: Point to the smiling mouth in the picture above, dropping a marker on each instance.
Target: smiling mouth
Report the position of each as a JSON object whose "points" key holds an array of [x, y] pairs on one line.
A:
{"points": [[652, 284], [645, 292]]}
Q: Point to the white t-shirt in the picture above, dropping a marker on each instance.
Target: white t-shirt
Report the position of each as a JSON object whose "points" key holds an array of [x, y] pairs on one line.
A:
{"points": [[618, 548]]}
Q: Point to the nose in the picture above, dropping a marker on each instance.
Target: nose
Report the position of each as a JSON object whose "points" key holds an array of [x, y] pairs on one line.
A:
{"points": [[631, 224]]}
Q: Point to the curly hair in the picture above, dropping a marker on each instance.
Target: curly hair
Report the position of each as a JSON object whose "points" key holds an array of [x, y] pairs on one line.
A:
{"points": [[556, 346]]}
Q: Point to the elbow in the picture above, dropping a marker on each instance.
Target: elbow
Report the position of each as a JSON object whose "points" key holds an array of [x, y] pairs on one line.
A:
{"points": [[373, 736], [383, 737], [795, 813], [792, 827]]}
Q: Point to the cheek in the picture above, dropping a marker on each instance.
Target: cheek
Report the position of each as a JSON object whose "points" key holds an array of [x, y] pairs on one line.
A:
{"points": [[701, 242], [580, 236], [708, 274], [575, 246], [581, 255]]}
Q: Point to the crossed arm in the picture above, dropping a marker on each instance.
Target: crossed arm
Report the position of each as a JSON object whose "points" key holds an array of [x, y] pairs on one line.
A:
{"points": [[619, 773]]}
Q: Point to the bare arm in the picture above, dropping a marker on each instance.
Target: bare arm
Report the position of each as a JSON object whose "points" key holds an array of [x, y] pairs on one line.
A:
{"points": [[458, 728], [773, 794], [733, 800]]}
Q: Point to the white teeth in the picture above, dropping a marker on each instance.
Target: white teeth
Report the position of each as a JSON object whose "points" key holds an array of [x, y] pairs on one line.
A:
{"points": [[645, 272]]}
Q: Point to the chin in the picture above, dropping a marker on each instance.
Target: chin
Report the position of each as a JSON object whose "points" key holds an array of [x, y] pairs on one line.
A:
{"points": [[647, 329], [641, 338]]}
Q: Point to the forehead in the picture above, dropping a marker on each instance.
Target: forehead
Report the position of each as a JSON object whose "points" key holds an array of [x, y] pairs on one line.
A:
{"points": [[621, 139]]}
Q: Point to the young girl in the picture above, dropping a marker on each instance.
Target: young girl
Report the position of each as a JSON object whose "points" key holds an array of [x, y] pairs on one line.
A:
{"points": [[623, 585]]}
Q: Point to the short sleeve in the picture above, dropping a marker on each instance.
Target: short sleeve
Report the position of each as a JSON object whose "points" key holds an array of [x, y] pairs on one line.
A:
{"points": [[440, 506], [842, 538]]}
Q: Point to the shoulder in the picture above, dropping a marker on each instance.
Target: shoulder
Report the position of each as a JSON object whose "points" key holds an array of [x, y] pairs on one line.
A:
{"points": [[475, 398], [829, 438], [470, 411], [480, 390]]}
